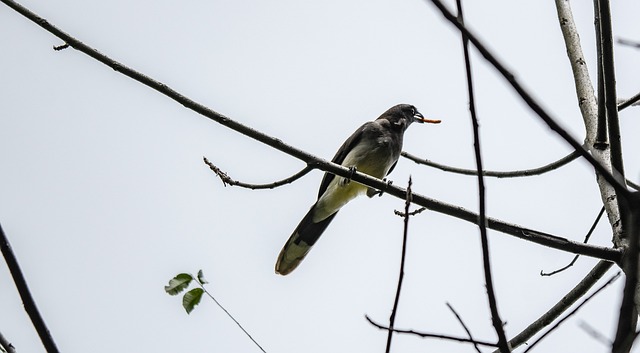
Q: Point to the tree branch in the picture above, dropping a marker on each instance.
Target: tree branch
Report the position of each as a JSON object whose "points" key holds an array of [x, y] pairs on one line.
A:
{"points": [[315, 162], [482, 219], [227, 180], [563, 304], [466, 329], [532, 103], [27, 300], [586, 239], [497, 174], [611, 280], [6, 345], [403, 256], [629, 102], [627, 320], [432, 335]]}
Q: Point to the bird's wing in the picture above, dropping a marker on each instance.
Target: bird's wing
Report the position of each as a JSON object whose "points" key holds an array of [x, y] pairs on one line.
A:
{"points": [[353, 140]]}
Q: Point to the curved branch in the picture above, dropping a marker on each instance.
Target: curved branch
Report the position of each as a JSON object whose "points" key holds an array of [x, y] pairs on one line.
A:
{"points": [[319, 163], [497, 174], [432, 335], [226, 179], [586, 239]]}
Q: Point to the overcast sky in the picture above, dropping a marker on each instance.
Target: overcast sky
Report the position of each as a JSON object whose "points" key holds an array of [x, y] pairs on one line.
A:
{"points": [[105, 196]]}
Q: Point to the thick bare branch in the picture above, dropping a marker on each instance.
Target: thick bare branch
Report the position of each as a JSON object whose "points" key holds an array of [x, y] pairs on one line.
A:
{"points": [[25, 294], [315, 162], [531, 102], [588, 107]]}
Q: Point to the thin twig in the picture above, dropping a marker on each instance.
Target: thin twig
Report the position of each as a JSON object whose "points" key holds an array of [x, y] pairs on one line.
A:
{"points": [[586, 239], [6, 345], [497, 174], [412, 213], [432, 335], [535, 236], [230, 316], [595, 334], [227, 180], [25, 294], [563, 304], [629, 102], [466, 329], [531, 102], [486, 261], [628, 42], [572, 312], [405, 232]]}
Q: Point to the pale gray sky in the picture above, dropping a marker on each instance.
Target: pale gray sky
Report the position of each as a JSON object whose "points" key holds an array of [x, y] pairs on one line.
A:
{"points": [[105, 196]]}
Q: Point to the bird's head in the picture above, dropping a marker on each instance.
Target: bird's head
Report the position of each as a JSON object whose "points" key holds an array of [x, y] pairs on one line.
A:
{"points": [[402, 115]]}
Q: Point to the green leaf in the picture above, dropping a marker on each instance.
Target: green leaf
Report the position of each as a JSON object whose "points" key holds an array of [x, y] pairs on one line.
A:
{"points": [[178, 283], [201, 278], [191, 299]]}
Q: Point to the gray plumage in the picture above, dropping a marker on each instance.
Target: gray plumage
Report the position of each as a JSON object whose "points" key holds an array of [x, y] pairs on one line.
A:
{"points": [[374, 149]]}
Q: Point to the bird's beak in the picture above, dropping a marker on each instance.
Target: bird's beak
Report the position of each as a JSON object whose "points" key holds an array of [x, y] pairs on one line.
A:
{"points": [[420, 118]]}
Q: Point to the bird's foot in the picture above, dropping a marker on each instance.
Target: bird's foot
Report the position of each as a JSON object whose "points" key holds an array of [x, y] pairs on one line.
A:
{"points": [[347, 180], [373, 192]]}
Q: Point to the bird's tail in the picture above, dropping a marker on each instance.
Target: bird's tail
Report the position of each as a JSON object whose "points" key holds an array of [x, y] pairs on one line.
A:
{"points": [[300, 242]]}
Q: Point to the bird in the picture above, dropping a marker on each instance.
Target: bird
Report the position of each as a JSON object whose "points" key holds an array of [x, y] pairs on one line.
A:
{"points": [[373, 149]]}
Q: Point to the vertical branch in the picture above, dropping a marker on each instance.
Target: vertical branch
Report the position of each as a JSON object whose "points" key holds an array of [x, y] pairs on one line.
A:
{"points": [[609, 79], [29, 304], [602, 140], [627, 320], [482, 220], [392, 319], [589, 110]]}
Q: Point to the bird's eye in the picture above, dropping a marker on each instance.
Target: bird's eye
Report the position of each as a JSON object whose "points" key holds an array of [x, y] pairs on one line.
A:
{"points": [[413, 110]]}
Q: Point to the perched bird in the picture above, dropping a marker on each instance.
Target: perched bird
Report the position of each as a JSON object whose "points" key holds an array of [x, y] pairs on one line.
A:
{"points": [[373, 149]]}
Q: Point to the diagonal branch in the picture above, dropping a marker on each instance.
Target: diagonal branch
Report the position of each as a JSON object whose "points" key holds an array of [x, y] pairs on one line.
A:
{"points": [[315, 162], [587, 299], [563, 304], [23, 289], [464, 326], [586, 239], [482, 219], [6, 346], [532, 103]]}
